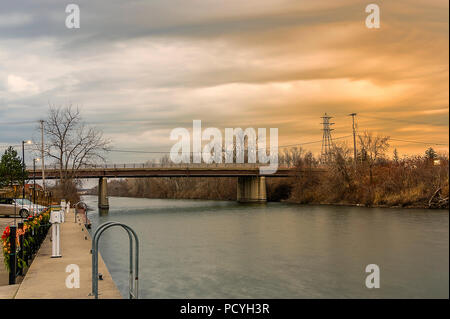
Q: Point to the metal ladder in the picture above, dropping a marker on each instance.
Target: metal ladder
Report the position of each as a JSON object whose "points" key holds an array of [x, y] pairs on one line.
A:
{"points": [[133, 277]]}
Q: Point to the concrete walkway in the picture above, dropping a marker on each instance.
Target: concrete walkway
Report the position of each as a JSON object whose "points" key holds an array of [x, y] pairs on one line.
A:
{"points": [[46, 277], [8, 291]]}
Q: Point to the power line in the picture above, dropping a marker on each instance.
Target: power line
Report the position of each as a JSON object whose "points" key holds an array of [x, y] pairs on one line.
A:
{"points": [[167, 152], [19, 123], [334, 138], [8, 145], [398, 120], [136, 151], [280, 146], [418, 142]]}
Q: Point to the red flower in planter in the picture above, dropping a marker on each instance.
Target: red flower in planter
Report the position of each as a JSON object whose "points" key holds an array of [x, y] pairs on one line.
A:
{"points": [[6, 233]]}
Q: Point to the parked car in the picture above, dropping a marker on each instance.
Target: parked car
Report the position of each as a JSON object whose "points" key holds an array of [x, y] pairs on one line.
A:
{"points": [[19, 206]]}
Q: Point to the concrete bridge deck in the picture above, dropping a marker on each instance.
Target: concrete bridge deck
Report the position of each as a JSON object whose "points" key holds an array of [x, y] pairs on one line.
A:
{"points": [[141, 170], [250, 180]]}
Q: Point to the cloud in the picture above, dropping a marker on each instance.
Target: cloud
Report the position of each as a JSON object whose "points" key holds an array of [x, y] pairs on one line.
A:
{"points": [[14, 20], [16, 84], [138, 69]]}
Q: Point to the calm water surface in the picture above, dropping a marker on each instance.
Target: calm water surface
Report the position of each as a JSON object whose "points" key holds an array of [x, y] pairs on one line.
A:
{"points": [[215, 249]]}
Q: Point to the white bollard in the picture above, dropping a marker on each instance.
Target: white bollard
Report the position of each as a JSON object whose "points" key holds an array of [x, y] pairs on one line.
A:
{"points": [[63, 209], [55, 220], [67, 210]]}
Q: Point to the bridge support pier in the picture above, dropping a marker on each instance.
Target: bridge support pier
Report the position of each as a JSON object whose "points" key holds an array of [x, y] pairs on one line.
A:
{"points": [[251, 189], [103, 202]]}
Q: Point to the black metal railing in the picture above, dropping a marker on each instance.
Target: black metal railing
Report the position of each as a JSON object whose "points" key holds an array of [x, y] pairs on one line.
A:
{"points": [[25, 240]]}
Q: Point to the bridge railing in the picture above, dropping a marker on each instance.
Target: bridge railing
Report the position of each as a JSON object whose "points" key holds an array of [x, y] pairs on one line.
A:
{"points": [[170, 165]]}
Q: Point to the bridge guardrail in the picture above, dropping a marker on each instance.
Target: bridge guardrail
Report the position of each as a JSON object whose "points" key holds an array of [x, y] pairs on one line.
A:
{"points": [[170, 165]]}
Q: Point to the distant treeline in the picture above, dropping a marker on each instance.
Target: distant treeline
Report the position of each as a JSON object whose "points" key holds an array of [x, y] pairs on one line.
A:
{"points": [[221, 188], [374, 180]]}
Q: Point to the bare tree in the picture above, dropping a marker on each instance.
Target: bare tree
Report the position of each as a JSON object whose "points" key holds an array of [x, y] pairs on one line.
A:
{"points": [[373, 148], [71, 142], [340, 164]]}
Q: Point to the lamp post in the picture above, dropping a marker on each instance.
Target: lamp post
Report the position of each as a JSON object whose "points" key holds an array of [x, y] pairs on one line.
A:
{"points": [[34, 182]]}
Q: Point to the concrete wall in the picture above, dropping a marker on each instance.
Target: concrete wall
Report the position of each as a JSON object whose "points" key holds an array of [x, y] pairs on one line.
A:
{"points": [[103, 193]]}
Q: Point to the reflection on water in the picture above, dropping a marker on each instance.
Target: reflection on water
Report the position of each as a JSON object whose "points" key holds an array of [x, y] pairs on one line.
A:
{"points": [[214, 249], [103, 211]]}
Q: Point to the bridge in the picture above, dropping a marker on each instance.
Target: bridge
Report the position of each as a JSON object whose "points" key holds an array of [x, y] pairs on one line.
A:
{"points": [[251, 183]]}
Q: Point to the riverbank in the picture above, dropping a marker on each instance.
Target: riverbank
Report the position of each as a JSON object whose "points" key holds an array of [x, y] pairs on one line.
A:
{"points": [[365, 206], [46, 277], [290, 201], [410, 182]]}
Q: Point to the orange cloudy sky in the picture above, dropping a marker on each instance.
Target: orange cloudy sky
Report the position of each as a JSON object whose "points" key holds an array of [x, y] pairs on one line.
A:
{"points": [[138, 69]]}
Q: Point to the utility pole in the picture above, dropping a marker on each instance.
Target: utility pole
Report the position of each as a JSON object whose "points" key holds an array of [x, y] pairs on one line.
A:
{"points": [[34, 182], [354, 137], [23, 171], [42, 154]]}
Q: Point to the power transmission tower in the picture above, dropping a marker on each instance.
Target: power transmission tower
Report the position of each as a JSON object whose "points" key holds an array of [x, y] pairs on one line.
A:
{"points": [[354, 137], [327, 141]]}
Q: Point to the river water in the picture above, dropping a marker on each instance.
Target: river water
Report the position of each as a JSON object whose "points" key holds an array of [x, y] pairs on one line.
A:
{"points": [[217, 249]]}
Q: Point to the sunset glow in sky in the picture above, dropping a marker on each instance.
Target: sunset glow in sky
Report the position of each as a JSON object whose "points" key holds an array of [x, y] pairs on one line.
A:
{"points": [[138, 69]]}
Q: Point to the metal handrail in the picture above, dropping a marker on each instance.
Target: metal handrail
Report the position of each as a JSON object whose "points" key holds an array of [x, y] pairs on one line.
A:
{"points": [[97, 235], [133, 280]]}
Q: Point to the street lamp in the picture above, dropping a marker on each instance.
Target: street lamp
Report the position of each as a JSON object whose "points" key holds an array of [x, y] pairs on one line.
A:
{"points": [[23, 169]]}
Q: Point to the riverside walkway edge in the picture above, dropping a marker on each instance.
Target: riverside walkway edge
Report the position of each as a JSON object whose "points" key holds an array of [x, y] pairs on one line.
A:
{"points": [[46, 278]]}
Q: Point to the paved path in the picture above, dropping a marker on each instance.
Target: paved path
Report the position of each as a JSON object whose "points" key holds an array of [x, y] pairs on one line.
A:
{"points": [[8, 291], [46, 277]]}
